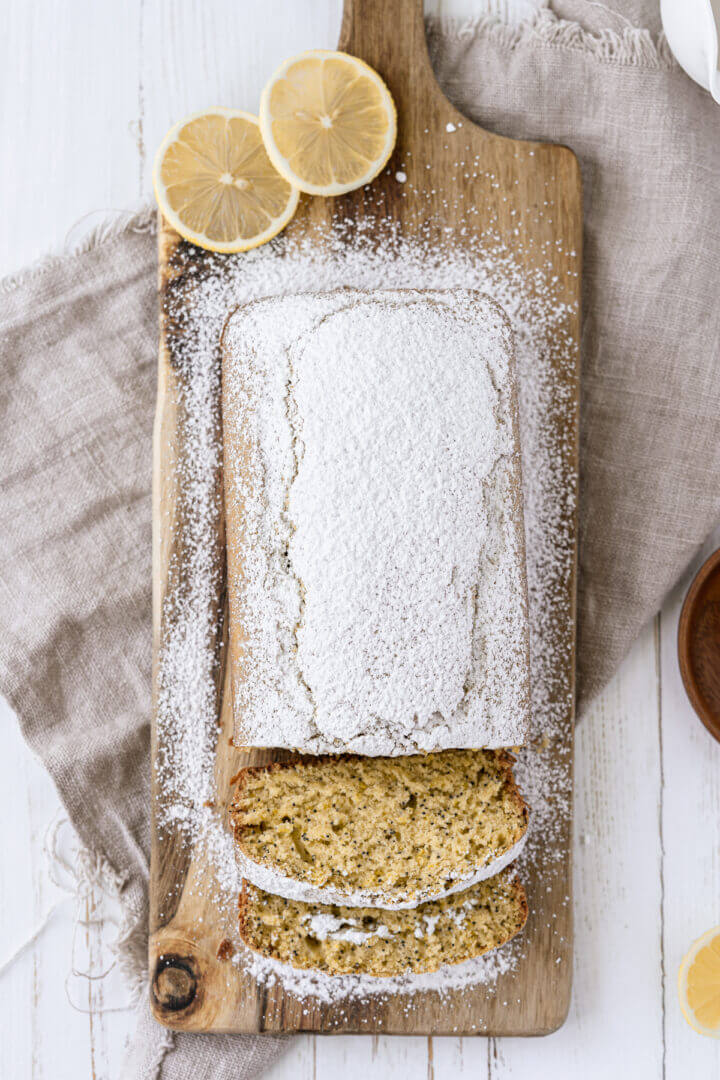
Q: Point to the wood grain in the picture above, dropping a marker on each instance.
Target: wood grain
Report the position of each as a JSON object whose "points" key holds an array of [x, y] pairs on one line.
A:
{"points": [[191, 988]]}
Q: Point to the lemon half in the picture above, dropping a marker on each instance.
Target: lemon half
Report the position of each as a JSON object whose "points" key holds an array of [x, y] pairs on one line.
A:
{"points": [[328, 122], [699, 984], [215, 184]]}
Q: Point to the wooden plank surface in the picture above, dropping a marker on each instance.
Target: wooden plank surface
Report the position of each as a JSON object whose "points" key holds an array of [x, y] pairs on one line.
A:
{"points": [[191, 988], [50, 55]]}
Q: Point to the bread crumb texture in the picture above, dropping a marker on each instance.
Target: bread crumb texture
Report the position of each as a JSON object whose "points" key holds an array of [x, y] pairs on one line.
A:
{"points": [[341, 940], [389, 831]]}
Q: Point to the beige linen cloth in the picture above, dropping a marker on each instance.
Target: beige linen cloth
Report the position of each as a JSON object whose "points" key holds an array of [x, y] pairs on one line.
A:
{"points": [[76, 407]]}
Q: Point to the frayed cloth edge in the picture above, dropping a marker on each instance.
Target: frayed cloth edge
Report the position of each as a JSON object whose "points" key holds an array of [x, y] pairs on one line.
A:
{"points": [[111, 229], [631, 46]]}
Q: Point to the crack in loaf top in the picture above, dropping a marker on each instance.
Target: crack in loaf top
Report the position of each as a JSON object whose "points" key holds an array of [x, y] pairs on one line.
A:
{"points": [[376, 564]]}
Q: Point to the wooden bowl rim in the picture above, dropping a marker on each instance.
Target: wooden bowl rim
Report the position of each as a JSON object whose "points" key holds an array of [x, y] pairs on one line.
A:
{"points": [[710, 720]]}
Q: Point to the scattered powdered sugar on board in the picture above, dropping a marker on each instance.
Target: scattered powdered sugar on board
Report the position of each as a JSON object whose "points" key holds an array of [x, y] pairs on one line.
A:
{"points": [[207, 290]]}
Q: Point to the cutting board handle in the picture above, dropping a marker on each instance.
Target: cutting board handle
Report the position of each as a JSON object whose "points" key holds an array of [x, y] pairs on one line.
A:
{"points": [[390, 36]]}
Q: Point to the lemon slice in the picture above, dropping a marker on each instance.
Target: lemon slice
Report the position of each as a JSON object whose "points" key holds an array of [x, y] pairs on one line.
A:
{"points": [[699, 984], [328, 122], [215, 184]]}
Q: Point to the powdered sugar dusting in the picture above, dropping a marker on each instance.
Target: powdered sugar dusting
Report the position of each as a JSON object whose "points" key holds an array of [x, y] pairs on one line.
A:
{"points": [[376, 563], [188, 664]]}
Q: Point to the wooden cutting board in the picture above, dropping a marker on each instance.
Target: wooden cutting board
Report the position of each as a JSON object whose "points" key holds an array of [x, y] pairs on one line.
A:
{"points": [[192, 987]]}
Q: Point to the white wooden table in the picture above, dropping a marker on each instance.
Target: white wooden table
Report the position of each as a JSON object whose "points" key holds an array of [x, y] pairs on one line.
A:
{"points": [[88, 89]]}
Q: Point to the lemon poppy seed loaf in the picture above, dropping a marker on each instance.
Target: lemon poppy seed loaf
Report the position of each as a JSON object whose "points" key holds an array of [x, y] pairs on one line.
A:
{"points": [[375, 542], [385, 832], [341, 940]]}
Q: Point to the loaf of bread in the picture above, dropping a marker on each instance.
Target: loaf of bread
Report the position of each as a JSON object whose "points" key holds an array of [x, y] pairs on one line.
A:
{"points": [[344, 940], [372, 484], [377, 831]]}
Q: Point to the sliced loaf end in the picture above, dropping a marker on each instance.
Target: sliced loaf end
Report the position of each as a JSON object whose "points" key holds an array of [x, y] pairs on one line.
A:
{"points": [[339, 940]]}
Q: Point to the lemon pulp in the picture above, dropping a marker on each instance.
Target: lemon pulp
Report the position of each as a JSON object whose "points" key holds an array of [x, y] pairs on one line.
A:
{"points": [[328, 122], [215, 183]]}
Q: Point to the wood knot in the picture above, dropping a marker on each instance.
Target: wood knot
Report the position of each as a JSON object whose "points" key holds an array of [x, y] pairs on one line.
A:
{"points": [[226, 950], [175, 982]]}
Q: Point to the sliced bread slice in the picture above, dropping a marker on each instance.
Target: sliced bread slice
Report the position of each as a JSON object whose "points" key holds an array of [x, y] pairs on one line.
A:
{"points": [[387, 832], [343, 941]]}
